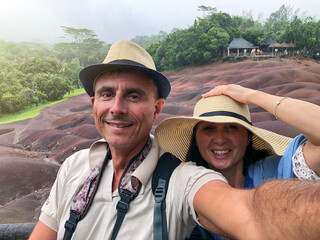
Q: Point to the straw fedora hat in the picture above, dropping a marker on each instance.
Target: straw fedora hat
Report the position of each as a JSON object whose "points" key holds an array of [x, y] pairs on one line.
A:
{"points": [[125, 54], [174, 134]]}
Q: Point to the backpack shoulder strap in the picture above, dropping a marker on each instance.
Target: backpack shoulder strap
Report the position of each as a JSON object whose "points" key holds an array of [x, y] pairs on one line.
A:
{"points": [[199, 233], [75, 216], [122, 208], [160, 181]]}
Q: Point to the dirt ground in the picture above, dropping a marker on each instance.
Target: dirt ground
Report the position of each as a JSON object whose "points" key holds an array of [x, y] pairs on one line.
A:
{"points": [[32, 150]]}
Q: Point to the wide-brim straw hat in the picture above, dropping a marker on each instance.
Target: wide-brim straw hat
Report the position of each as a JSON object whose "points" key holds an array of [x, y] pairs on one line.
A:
{"points": [[174, 134], [125, 54]]}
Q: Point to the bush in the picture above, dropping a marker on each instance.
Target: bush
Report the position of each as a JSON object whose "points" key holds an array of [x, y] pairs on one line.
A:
{"points": [[225, 58]]}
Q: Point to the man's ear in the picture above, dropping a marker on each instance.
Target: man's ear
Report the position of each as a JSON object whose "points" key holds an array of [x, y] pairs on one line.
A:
{"points": [[92, 100], [158, 107]]}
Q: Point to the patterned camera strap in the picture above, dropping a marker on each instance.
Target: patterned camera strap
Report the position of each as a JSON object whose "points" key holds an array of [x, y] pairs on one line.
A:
{"points": [[129, 187]]}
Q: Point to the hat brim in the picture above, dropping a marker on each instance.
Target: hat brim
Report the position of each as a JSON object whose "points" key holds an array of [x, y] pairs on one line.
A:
{"points": [[89, 74], [174, 135]]}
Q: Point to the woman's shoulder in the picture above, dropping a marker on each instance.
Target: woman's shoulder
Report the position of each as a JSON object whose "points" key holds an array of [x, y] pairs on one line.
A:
{"points": [[267, 162], [270, 163], [264, 169], [295, 143]]}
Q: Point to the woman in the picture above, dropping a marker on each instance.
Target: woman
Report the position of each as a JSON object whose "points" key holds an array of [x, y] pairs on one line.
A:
{"points": [[220, 136]]}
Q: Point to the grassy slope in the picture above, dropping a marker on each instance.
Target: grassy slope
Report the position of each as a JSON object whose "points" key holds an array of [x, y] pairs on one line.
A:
{"points": [[32, 112]]}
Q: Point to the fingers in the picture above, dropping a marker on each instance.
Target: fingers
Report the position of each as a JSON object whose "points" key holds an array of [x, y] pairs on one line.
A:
{"points": [[234, 91], [219, 90]]}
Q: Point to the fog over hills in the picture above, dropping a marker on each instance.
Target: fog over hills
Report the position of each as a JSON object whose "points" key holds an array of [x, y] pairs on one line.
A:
{"points": [[40, 21]]}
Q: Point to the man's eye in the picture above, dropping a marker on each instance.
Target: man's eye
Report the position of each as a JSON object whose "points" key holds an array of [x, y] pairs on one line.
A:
{"points": [[134, 97], [106, 95]]}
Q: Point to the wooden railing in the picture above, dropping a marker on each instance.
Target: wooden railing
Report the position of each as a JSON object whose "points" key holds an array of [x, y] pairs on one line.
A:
{"points": [[16, 231]]}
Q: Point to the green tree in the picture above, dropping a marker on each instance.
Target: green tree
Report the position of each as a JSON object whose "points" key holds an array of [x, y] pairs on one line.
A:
{"points": [[51, 85], [147, 41], [281, 18], [41, 65], [207, 10], [201, 43], [11, 88], [83, 44], [305, 34], [78, 34], [71, 72], [219, 39], [254, 35]]}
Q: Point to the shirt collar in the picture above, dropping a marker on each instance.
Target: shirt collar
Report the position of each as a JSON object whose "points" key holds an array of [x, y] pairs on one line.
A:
{"points": [[146, 168], [144, 172], [97, 152]]}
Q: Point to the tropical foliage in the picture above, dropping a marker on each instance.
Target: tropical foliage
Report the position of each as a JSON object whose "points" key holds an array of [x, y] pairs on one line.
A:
{"points": [[32, 73], [207, 39], [36, 73]]}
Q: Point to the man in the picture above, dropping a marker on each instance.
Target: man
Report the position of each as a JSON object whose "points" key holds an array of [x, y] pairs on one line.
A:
{"points": [[128, 94]]}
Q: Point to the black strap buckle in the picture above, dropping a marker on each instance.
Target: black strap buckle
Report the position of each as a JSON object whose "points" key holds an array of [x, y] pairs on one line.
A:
{"points": [[74, 218], [160, 191], [122, 206], [126, 197], [71, 224]]}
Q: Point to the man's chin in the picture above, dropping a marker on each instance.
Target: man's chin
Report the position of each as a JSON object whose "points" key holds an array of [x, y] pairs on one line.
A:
{"points": [[119, 144]]}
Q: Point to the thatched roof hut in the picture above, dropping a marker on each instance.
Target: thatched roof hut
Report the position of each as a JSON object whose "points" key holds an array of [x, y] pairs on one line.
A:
{"points": [[282, 45], [275, 45]]}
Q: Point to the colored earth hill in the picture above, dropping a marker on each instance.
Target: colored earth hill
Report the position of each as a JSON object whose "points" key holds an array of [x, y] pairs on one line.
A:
{"points": [[33, 149]]}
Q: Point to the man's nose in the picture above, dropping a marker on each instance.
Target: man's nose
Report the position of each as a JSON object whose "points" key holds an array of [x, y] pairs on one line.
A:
{"points": [[118, 106]]}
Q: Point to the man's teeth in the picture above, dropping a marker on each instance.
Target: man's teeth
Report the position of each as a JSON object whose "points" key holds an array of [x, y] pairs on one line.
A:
{"points": [[117, 125], [221, 152]]}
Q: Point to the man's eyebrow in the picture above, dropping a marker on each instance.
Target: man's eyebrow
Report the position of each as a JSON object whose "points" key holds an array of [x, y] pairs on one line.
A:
{"points": [[139, 91], [104, 89], [127, 91]]}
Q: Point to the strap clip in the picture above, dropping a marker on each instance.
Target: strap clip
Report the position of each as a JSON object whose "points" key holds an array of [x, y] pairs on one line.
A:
{"points": [[123, 204], [160, 191], [71, 224]]}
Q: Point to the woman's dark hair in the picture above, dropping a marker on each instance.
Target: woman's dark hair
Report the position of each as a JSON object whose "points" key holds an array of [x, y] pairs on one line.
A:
{"points": [[251, 155], [193, 154]]}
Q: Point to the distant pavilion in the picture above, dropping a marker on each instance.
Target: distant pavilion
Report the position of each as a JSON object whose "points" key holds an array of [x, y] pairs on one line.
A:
{"points": [[240, 44]]}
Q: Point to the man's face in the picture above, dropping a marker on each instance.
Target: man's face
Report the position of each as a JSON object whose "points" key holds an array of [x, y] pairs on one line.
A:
{"points": [[124, 109]]}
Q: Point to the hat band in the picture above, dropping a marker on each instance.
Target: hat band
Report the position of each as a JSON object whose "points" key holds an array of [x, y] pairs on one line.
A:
{"points": [[225, 113], [127, 62]]}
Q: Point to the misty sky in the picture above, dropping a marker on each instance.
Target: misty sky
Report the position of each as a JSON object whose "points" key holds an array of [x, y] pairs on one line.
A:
{"points": [[40, 20]]}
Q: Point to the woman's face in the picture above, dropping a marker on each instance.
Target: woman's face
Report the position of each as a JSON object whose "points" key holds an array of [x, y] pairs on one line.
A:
{"points": [[222, 145]]}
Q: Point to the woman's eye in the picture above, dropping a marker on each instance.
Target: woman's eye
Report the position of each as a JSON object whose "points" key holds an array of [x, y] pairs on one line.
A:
{"points": [[232, 127], [207, 128]]}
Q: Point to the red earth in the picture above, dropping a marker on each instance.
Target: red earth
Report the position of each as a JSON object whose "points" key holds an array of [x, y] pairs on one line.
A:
{"points": [[32, 150]]}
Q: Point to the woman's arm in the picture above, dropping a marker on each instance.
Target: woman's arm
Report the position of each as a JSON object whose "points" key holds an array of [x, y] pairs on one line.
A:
{"points": [[303, 116]]}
